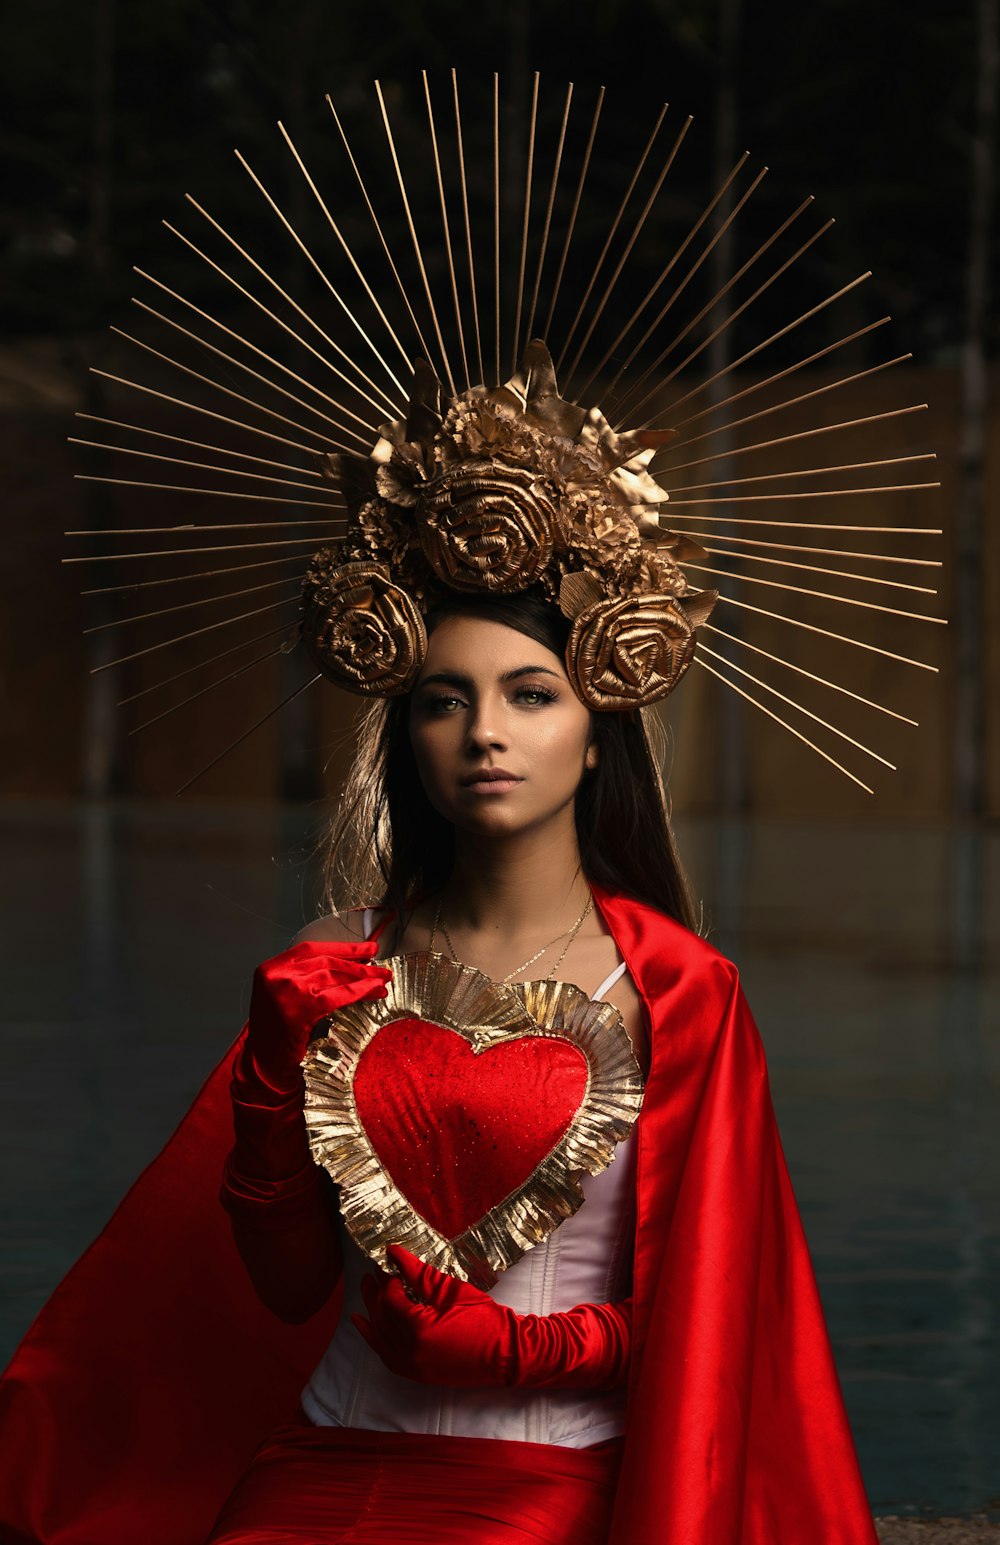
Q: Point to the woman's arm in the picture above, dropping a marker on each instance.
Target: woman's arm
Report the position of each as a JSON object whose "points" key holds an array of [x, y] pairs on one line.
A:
{"points": [[280, 1206], [427, 1326], [279, 1202]]}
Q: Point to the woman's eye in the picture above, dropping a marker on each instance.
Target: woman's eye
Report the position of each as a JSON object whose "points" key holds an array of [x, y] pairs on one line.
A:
{"points": [[533, 695], [443, 704]]}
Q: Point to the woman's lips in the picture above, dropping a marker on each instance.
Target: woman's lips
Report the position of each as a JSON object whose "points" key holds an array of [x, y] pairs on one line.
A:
{"points": [[491, 783]]}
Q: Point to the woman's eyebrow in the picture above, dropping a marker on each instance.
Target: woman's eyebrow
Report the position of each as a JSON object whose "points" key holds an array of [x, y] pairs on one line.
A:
{"points": [[458, 679], [528, 670], [445, 678]]}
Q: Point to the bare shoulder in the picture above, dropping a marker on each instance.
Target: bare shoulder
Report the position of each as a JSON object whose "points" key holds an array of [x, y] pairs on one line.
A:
{"points": [[335, 928]]}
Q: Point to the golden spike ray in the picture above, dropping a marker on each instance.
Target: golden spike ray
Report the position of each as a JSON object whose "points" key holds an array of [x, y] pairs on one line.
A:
{"points": [[800, 670], [758, 348], [198, 445], [212, 659], [414, 238], [807, 434], [324, 277], [240, 670], [710, 338], [547, 223], [616, 222], [354, 264], [808, 525], [804, 493], [196, 528], [840, 638], [815, 568], [470, 257], [286, 369], [205, 466], [222, 418], [571, 226], [180, 579], [773, 477], [251, 402], [777, 407], [184, 552], [447, 231], [799, 707], [779, 375], [180, 638], [709, 305], [283, 391], [378, 228], [629, 245], [185, 606], [496, 219], [247, 733], [832, 552], [380, 407], [529, 175], [716, 237], [208, 493], [699, 660], [820, 595]]}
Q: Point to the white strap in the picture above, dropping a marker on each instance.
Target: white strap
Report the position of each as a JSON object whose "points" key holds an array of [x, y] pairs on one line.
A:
{"points": [[367, 921], [609, 981]]}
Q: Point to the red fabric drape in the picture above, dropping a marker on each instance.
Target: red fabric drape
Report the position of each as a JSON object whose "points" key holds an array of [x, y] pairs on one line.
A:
{"points": [[140, 1393], [737, 1432], [390, 1488]]}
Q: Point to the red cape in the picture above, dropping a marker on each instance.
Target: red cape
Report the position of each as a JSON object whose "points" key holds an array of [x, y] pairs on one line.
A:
{"points": [[146, 1383]]}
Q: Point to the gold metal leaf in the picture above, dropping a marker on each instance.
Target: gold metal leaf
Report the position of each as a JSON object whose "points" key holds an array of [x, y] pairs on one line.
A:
{"points": [[578, 591]]}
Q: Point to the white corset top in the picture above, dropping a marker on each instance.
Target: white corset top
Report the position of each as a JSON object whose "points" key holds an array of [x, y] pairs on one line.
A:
{"points": [[587, 1259]]}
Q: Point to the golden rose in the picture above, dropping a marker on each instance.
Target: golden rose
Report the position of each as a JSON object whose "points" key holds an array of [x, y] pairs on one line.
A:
{"points": [[487, 526], [603, 538], [629, 652], [361, 629], [378, 535]]}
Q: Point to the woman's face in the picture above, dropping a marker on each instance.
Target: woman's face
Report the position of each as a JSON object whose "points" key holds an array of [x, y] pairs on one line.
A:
{"points": [[488, 701]]}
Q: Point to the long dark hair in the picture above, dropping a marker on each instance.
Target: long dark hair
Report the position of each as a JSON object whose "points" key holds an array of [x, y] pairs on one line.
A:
{"points": [[387, 841]]}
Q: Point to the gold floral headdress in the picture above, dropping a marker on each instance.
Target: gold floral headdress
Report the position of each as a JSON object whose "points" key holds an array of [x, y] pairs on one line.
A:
{"points": [[410, 442], [496, 491]]}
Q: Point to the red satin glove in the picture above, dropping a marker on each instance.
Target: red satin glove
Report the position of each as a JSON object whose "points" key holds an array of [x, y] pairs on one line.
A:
{"points": [[293, 991], [272, 1189], [290, 994], [430, 1327]]}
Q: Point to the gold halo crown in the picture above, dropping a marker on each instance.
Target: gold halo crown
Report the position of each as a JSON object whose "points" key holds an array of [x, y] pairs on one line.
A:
{"points": [[794, 496], [493, 491]]}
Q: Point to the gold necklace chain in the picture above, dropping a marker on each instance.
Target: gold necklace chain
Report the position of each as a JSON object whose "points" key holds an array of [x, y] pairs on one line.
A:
{"points": [[531, 960]]}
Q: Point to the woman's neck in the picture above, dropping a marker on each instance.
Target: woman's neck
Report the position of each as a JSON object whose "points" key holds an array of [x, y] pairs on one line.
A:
{"points": [[514, 888]]}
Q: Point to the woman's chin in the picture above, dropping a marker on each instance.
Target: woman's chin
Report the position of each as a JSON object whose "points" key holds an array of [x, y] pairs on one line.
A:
{"points": [[491, 823]]}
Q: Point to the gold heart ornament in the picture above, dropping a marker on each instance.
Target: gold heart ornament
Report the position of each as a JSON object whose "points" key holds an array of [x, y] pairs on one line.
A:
{"points": [[457, 1115]]}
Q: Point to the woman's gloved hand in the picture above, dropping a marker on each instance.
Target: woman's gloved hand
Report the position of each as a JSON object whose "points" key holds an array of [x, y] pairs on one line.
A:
{"points": [[430, 1327], [291, 992], [281, 1212], [294, 990]]}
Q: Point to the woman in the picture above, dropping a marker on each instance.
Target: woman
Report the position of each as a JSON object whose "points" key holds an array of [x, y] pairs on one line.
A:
{"points": [[513, 855], [675, 1381], [492, 698]]}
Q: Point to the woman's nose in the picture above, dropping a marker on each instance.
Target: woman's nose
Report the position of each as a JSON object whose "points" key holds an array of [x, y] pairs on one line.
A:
{"points": [[483, 729]]}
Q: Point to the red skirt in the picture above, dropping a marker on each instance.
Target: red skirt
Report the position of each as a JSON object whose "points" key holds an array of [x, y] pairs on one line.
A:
{"points": [[310, 1485]]}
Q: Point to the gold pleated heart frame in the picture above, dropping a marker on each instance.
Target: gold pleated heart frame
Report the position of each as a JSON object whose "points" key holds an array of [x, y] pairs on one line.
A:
{"points": [[429, 987]]}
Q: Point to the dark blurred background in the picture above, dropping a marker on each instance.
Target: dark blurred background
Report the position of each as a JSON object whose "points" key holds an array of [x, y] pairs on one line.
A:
{"points": [[866, 929]]}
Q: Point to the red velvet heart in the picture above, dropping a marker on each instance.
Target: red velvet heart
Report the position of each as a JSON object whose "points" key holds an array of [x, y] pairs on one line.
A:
{"points": [[456, 1130]]}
